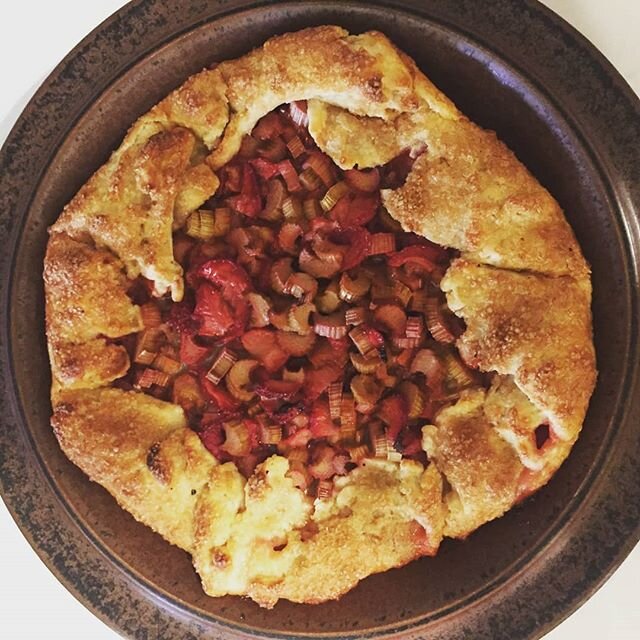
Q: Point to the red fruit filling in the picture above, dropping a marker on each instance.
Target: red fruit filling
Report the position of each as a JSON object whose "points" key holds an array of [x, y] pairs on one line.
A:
{"points": [[312, 325]]}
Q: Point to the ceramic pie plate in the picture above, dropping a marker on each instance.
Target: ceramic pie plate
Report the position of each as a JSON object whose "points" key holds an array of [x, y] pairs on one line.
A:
{"points": [[512, 66]]}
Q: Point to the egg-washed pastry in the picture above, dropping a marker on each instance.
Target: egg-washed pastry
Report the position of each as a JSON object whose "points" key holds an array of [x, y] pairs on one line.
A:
{"points": [[309, 319]]}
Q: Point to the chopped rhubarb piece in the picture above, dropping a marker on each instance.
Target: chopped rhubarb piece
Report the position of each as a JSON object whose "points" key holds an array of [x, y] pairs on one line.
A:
{"points": [[382, 243], [276, 195], [212, 437], [363, 180], [391, 318], [237, 438], [295, 147], [324, 490], [301, 285], [317, 380], [358, 453], [366, 392], [260, 308], [221, 365], [334, 195], [147, 378], [292, 207], [263, 345], [393, 412], [151, 316], [299, 318], [421, 256], [322, 165], [321, 466], [223, 400], [436, 322], [415, 327], [288, 237], [166, 364], [320, 421], [238, 380], [201, 225], [270, 434], [332, 326], [215, 315], [288, 172], [334, 393], [187, 393], [265, 169], [414, 399], [360, 337], [364, 364], [352, 289], [311, 208], [298, 113], [281, 271], [294, 344], [248, 202], [402, 342], [355, 316], [147, 346], [310, 180], [347, 413], [227, 275], [358, 240], [191, 353], [458, 374], [359, 210]]}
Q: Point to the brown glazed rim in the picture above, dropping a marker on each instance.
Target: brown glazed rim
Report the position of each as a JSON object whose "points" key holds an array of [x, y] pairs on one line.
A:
{"points": [[599, 525]]}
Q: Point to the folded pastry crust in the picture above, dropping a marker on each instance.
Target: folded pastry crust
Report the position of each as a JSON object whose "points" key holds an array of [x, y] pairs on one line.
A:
{"points": [[86, 302], [533, 327], [264, 538], [521, 286]]}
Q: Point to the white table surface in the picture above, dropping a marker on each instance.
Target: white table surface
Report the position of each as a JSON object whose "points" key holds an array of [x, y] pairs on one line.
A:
{"points": [[34, 36]]}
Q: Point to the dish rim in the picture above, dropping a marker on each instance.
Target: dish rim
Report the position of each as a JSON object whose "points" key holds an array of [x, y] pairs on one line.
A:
{"points": [[16, 234]]}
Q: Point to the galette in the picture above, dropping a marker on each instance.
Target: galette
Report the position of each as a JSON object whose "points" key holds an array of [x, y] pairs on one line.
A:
{"points": [[309, 319]]}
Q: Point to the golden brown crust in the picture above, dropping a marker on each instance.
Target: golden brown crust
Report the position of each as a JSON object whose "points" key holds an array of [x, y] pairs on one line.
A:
{"points": [[363, 73], [264, 538], [140, 450], [482, 469], [536, 328], [199, 104], [469, 192], [355, 141], [86, 301], [127, 206]]}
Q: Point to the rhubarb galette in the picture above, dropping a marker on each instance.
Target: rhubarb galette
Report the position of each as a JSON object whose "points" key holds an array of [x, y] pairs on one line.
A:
{"points": [[308, 319]]}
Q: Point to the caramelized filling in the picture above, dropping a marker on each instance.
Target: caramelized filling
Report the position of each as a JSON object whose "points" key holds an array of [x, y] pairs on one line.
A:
{"points": [[312, 325]]}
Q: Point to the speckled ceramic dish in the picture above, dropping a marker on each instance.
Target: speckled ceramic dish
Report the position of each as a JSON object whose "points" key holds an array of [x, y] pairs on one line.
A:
{"points": [[510, 65]]}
